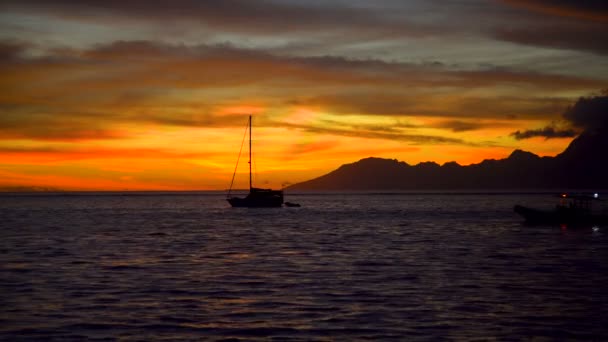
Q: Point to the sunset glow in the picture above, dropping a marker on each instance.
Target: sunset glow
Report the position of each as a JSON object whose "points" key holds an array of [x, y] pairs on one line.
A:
{"points": [[99, 95]]}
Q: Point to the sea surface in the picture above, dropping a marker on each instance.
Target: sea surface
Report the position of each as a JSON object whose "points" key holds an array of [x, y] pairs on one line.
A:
{"points": [[343, 267]]}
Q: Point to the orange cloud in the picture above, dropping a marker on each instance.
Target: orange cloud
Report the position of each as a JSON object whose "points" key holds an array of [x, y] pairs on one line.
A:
{"points": [[140, 78], [151, 115]]}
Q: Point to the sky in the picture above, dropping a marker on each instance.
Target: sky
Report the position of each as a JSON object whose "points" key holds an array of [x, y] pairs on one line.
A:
{"points": [[155, 95]]}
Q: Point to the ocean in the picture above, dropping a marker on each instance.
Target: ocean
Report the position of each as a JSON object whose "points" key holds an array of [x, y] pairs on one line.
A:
{"points": [[343, 267]]}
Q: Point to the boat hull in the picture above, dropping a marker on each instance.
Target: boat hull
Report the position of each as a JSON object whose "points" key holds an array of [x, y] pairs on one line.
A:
{"points": [[564, 216], [259, 198], [238, 202]]}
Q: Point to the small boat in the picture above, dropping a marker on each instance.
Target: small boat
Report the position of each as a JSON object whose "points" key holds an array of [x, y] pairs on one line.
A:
{"points": [[257, 198], [575, 210]]}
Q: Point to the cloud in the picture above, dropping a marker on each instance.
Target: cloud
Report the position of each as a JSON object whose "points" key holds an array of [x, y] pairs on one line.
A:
{"points": [[11, 50], [44, 122], [584, 10], [317, 27], [460, 126], [48, 154], [298, 149], [579, 37], [561, 24], [373, 132], [419, 101], [548, 132], [587, 113], [78, 94], [239, 16]]}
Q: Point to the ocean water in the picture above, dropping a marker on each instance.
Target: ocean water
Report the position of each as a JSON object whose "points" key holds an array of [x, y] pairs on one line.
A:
{"points": [[344, 267]]}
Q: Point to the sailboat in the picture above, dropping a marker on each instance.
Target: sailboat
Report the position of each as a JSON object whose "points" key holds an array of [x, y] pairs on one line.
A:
{"points": [[257, 198]]}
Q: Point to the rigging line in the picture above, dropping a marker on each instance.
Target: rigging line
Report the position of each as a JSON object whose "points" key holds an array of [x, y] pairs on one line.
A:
{"points": [[237, 161], [255, 167]]}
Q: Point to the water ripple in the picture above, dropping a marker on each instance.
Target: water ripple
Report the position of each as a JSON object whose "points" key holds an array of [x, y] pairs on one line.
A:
{"points": [[341, 267]]}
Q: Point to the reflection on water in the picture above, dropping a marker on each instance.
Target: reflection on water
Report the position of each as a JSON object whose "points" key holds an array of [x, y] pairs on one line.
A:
{"points": [[342, 267]]}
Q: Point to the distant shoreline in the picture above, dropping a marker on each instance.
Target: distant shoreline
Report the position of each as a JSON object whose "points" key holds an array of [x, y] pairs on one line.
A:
{"points": [[488, 192]]}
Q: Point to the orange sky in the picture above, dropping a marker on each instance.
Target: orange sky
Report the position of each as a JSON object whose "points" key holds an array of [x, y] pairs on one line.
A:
{"points": [[111, 96]]}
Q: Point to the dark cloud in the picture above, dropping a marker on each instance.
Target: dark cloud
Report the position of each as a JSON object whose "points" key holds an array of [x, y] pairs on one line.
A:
{"points": [[374, 132], [416, 139], [589, 112], [11, 50], [560, 24], [548, 132], [325, 25], [260, 16], [589, 37], [460, 126], [582, 9]]}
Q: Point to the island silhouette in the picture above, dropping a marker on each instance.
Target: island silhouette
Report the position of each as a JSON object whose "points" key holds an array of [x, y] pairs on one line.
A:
{"points": [[582, 165]]}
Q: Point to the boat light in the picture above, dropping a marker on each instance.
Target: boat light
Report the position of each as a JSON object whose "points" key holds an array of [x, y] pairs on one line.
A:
{"points": [[564, 195], [595, 195]]}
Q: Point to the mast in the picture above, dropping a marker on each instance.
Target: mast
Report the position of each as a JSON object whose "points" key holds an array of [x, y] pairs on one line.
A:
{"points": [[250, 182]]}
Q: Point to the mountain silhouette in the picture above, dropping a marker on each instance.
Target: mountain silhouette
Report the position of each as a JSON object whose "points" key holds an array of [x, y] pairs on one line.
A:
{"points": [[582, 165]]}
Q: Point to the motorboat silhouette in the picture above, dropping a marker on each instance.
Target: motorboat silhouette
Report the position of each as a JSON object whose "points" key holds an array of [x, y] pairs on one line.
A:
{"points": [[571, 210]]}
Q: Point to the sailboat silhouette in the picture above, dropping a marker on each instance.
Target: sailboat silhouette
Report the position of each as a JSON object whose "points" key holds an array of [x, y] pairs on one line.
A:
{"points": [[257, 198]]}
